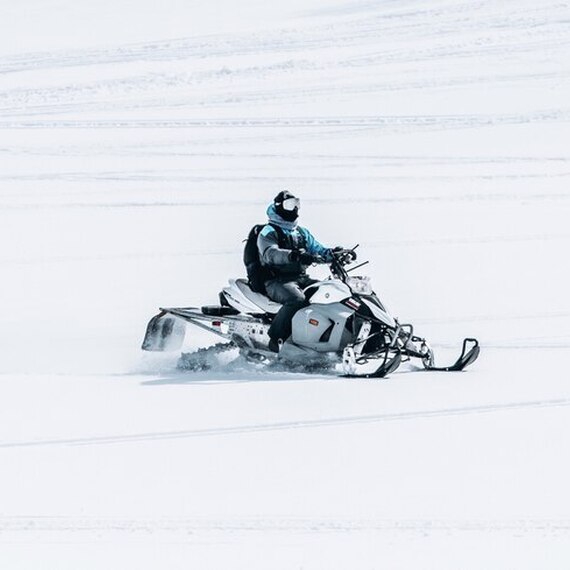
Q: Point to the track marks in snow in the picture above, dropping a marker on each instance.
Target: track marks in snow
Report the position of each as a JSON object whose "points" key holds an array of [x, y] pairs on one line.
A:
{"points": [[444, 198], [32, 524], [459, 241], [185, 92], [124, 257], [503, 31], [135, 257], [291, 425], [395, 122], [356, 55], [185, 176]]}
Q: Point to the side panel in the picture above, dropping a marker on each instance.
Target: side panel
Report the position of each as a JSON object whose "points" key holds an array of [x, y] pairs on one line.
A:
{"points": [[322, 327]]}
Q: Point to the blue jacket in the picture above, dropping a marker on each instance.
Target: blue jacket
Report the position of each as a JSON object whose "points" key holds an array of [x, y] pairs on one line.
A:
{"points": [[278, 258]]}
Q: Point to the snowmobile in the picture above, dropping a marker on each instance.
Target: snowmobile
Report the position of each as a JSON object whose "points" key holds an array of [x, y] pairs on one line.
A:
{"points": [[343, 325]]}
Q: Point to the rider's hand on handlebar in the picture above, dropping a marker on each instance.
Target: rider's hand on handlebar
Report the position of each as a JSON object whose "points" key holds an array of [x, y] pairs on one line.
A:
{"points": [[345, 256]]}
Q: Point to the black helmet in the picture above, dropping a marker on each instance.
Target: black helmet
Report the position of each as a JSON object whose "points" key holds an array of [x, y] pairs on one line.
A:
{"points": [[287, 205]]}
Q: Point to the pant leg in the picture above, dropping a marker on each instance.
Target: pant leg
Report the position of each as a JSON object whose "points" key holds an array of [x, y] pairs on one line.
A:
{"points": [[291, 295], [284, 291], [304, 281]]}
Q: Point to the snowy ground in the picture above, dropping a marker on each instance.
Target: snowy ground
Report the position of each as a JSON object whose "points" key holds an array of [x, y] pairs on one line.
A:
{"points": [[137, 147]]}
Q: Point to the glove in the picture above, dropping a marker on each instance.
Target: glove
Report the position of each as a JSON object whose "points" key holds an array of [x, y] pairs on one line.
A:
{"points": [[345, 256], [350, 255], [303, 257]]}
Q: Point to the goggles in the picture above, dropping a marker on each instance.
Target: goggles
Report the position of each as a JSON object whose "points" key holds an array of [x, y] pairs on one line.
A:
{"points": [[290, 204]]}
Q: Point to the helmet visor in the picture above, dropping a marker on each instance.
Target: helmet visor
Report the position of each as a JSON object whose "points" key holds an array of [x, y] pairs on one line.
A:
{"points": [[290, 204]]}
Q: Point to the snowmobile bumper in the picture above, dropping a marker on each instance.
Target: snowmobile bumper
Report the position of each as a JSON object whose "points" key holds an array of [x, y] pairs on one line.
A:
{"points": [[164, 332]]}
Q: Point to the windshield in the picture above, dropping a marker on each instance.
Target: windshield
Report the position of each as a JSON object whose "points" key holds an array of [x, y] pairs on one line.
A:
{"points": [[360, 284]]}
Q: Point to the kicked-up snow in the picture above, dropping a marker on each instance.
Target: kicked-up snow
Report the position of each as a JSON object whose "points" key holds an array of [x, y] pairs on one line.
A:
{"points": [[139, 144]]}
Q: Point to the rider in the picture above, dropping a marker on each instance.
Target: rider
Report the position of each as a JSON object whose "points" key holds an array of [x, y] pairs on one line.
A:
{"points": [[287, 249]]}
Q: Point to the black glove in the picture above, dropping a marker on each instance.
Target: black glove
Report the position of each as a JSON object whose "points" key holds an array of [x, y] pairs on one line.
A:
{"points": [[345, 256], [303, 257], [350, 255]]}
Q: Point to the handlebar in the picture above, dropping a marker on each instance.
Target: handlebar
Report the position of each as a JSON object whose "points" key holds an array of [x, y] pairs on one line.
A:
{"points": [[341, 258], [344, 256]]}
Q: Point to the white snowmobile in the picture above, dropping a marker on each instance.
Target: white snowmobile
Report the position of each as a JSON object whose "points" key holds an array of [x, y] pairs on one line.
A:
{"points": [[343, 323]]}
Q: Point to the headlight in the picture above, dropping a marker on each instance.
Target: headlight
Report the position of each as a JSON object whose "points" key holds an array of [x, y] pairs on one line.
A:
{"points": [[360, 284]]}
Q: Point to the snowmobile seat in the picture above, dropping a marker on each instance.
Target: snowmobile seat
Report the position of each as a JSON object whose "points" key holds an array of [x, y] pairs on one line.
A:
{"points": [[265, 304], [218, 311]]}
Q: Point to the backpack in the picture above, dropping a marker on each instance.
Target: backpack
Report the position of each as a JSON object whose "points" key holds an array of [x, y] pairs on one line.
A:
{"points": [[258, 274]]}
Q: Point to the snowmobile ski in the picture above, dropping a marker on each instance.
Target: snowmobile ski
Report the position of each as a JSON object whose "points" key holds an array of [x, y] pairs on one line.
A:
{"points": [[468, 356], [358, 366]]}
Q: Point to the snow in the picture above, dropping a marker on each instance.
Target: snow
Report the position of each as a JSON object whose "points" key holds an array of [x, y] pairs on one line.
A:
{"points": [[138, 145]]}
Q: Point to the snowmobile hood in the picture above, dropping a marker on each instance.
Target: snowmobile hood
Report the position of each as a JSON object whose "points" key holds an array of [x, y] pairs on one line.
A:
{"points": [[276, 219]]}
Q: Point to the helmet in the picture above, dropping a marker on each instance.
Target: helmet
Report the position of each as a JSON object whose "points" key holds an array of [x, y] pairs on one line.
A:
{"points": [[287, 205]]}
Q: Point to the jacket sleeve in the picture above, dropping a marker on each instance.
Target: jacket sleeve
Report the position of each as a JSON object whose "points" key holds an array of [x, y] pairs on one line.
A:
{"points": [[270, 253], [314, 247]]}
